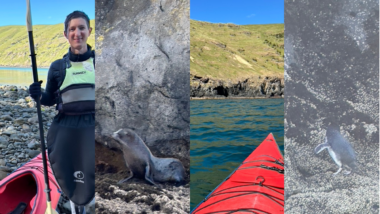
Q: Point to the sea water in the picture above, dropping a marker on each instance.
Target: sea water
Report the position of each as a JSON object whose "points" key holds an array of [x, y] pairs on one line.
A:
{"points": [[223, 133], [21, 76]]}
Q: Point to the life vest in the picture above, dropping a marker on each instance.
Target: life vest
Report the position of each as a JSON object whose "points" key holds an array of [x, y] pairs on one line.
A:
{"points": [[76, 93]]}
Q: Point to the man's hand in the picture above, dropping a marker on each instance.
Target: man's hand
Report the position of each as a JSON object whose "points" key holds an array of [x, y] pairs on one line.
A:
{"points": [[35, 90]]}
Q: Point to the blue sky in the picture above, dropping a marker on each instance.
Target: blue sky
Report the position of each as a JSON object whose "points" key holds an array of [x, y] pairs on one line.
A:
{"points": [[13, 12], [239, 12]]}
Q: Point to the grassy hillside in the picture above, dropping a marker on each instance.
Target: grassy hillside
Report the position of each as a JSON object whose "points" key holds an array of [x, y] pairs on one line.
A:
{"points": [[49, 42], [229, 51]]}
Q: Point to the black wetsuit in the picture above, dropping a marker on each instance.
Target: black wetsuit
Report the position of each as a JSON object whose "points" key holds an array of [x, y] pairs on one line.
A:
{"points": [[71, 141]]}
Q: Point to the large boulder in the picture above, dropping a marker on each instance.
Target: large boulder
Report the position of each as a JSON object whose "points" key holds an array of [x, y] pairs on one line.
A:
{"points": [[142, 73], [332, 78]]}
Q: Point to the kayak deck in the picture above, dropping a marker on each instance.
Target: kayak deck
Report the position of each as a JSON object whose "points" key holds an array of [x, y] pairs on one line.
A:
{"points": [[256, 186], [23, 189], [26, 185]]}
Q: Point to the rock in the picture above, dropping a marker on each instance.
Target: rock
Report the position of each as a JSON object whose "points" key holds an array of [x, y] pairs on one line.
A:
{"points": [[4, 171], [10, 165], [20, 121], [18, 144], [6, 118], [2, 162], [147, 87], [33, 144], [33, 153], [21, 101], [28, 99], [33, 120], [9, 133], [10, 94], [25, 127], [15, 137], [31, 104], [3, 142]]}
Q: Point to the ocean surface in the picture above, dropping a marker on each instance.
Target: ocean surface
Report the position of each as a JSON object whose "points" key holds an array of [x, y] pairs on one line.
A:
{"points": [[223, 133], [21, 76]]}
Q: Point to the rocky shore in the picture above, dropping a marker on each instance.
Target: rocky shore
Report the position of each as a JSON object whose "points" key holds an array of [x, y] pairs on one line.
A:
{"points": [[19, 133], [135, 195], [253, 87]]}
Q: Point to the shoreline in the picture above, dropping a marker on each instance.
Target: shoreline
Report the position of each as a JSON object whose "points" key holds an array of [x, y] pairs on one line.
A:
{"points": [[22, 67], [233, 98], [191, 98]]}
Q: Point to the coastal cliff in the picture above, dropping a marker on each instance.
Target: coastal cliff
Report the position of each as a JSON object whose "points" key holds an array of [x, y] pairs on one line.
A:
{"points": [[254, 87]]}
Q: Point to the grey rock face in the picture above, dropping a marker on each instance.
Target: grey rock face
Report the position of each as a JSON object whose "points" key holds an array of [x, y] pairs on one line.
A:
{"points": [[332, 78], [142, 73]]}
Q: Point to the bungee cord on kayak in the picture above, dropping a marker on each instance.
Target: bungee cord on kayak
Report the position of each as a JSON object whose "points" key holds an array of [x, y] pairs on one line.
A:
{"points": [[227, 191], [256, 186]]}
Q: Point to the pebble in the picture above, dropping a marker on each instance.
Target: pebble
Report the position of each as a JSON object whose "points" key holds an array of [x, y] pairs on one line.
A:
{"points": [[33, 153], [33, 144], [6, 117], [2, 162]]}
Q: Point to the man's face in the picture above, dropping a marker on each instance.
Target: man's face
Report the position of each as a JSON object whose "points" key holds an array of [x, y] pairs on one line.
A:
{"points": [[77, 34]]}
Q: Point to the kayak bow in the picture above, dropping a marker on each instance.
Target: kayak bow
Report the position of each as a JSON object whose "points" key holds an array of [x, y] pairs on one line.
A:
{"points": [[256, 186]]}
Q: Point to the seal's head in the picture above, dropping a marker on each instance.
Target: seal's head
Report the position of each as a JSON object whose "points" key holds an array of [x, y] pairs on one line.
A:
{"points": [[124, 135], [177, 171]]}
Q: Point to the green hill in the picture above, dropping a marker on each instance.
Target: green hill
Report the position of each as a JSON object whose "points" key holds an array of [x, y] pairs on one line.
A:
{"points": [[49, 42], [229, 51]]}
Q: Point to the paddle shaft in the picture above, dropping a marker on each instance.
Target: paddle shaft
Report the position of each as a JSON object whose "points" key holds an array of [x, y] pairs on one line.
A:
{"points": [[35, 78]]}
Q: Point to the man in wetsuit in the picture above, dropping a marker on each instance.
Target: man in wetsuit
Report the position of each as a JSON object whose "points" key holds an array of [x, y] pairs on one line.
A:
{"points": [[71, 137]]}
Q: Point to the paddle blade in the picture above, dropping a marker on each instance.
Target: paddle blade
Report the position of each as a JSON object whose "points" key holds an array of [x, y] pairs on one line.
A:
{"points": [[50, 210], [28, 16]]}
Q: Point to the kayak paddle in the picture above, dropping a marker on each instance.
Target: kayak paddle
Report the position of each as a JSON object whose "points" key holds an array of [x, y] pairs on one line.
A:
{"points": [[49, 209]]}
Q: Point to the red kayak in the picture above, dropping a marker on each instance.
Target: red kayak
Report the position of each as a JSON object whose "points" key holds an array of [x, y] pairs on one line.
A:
{"points": [[256, 186], [23, 190]]}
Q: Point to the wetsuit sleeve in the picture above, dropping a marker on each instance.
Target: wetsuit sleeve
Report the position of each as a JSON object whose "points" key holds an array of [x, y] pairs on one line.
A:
{"points": [[48, 97]]}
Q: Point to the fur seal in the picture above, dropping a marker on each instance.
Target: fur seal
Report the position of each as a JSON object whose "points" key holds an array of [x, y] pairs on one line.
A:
{"points": [[143, 164], [339, 149]]}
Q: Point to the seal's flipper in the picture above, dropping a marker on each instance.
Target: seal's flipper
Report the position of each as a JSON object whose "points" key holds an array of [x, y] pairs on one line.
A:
{"points": [[148, 176], [346, 172], [126, 179], [340, 169], [321, 147]]}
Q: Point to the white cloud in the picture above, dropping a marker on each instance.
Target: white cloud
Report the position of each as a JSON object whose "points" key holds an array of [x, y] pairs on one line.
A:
{"points": [[251, 15]]}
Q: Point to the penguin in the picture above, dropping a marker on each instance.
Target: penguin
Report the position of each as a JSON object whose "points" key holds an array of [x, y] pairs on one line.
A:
{"points": [[339, 149]]}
